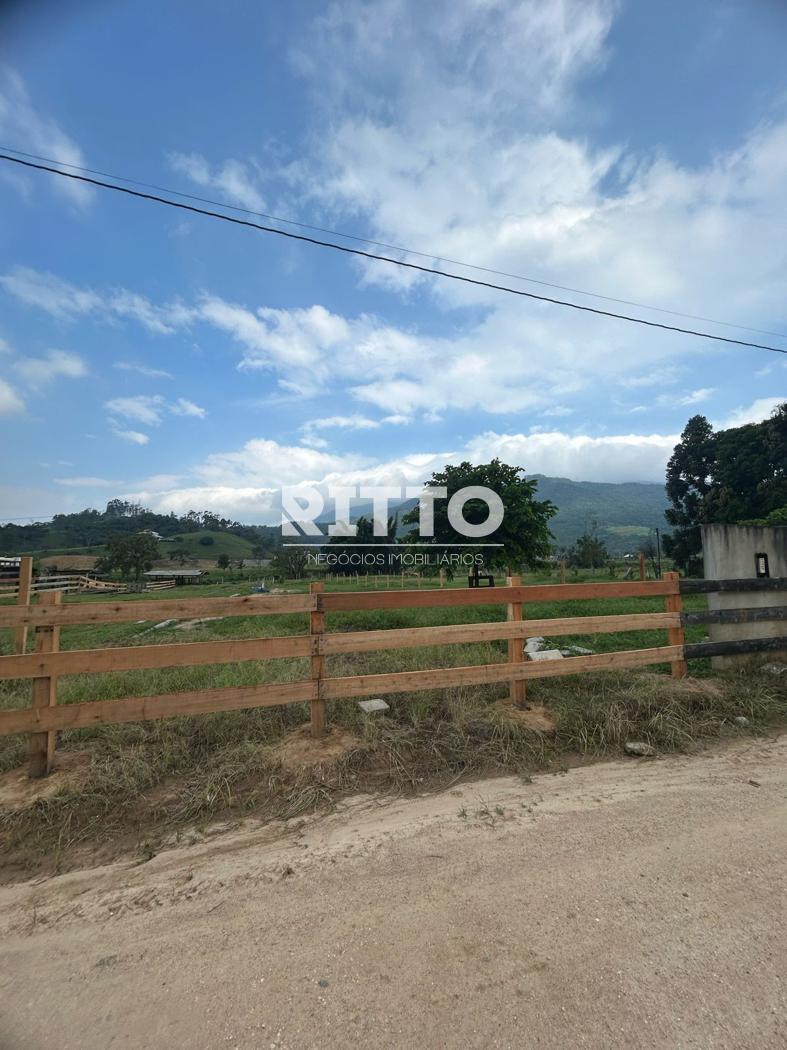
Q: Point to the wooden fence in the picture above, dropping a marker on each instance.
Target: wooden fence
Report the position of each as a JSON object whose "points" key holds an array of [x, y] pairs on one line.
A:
{"points": [[67, 583], [45, 717]]}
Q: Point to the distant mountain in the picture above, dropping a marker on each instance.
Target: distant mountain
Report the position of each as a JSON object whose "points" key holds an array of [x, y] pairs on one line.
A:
{"points": [[626, 513]]}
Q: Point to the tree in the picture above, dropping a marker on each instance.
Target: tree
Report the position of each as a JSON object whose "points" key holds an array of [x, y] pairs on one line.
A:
{"points": [[689, 479], [129, 555], [346, 554], [223, 561], [523, 535], [589, 551], [290, 562], [728, 477], [750, 473], [180, 555]]}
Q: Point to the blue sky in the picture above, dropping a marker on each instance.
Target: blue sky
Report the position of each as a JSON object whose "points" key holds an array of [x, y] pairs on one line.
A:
{"points": [[629, 149]]}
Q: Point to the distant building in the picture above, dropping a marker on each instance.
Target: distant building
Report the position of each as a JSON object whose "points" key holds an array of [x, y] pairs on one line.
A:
{"points": [[150, 532]]}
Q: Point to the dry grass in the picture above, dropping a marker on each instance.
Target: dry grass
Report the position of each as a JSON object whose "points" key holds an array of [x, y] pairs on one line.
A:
{"points": [[142, 783], [145, 782]]}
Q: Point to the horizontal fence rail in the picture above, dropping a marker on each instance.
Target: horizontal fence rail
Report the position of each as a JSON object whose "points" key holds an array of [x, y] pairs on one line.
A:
{"points": [[44, 718], [755, 615], [154, 609], [759, 614], [45, 666], [736, 647], [770, 583], [68, 584]]}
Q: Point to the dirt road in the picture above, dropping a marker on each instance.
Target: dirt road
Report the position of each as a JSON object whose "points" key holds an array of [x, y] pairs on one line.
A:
{"points": [[631, 904]]}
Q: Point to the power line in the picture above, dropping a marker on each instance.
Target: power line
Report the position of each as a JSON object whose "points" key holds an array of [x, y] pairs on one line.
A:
{"points": [[392, 247], [387, 259]]}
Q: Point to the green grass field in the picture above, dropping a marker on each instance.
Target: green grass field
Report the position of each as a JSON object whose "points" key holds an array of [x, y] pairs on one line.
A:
{"points": [[159, 775], [235, 547]]}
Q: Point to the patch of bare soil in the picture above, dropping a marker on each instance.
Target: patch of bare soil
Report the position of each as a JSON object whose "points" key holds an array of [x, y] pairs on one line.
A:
{"points": [[18, 791], [624, 905], [535, 716], [299, 749]]}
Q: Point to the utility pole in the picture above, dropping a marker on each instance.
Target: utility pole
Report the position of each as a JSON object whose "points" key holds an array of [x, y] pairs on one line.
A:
{"points": [[658, 554]]}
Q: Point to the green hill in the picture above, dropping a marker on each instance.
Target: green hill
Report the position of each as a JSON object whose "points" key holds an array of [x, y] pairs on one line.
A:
{"points": [[626, 513], [235, 547]]}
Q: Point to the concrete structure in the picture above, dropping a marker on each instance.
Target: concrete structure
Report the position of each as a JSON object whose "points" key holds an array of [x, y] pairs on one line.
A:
{"points": [[744, 552]]}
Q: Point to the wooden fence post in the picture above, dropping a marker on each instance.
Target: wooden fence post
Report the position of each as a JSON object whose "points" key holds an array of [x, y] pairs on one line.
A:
{"points": [[516, 654], [442, 577], [642, 573], [562, 570], [319, 715], [23, 598], [676, 635], [42, 745]]}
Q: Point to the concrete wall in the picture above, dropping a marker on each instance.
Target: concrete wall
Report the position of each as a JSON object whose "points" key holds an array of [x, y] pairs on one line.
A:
{"points": [[729, 554]]}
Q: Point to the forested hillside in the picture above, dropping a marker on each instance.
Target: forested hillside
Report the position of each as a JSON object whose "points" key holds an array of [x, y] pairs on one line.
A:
{"points": [[625, 514]]}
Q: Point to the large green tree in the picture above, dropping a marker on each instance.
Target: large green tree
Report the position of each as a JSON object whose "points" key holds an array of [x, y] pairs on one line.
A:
{"points": [[731, 476], [129, 555], [750, 472], [689, 479], [523, 535], [290, 562], [589, 551]]}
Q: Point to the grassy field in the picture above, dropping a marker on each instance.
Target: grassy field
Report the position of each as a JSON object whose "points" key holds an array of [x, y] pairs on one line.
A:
{"points": [[235, 547], [144, 781]]}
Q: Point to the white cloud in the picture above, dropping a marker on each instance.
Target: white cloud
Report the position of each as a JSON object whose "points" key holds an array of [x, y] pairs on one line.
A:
{"points": [[247, 482], [754, 413], [133, 436], [621, 457], [29, 129], [558, 410], [148, 409], [67, 301], [59, 298], [11, 404], [87, 482], [508, 183], [693, 397], [310, 428], [143, 408], [232, 179], [143, 370], [183, 407], [36, 371]]}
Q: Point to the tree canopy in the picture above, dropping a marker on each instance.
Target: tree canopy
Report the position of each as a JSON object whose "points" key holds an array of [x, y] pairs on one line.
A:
{"points": [[724, 477], [523, 535], [345, 557], [589, 551], [129, 555]]}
